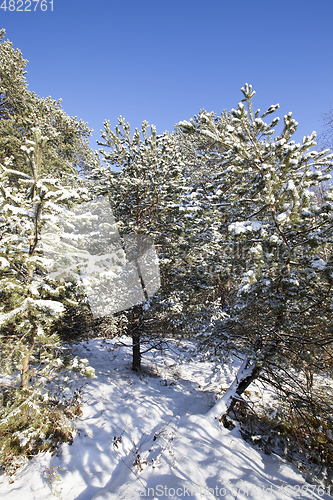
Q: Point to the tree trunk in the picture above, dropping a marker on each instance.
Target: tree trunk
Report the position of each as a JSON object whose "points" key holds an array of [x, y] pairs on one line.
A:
{"points": [[136, 364], [247, 373], [245, 376], [136, 331], [25, 369], [135, 249]]}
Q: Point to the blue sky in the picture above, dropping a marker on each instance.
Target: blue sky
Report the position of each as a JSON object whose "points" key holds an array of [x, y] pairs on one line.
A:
{"points": [[164, 61]]}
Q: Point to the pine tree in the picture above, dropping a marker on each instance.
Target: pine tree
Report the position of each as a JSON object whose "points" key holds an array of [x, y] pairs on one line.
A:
{"points": [[146, 199], [67, 149], [30, 302], [276, 240]]}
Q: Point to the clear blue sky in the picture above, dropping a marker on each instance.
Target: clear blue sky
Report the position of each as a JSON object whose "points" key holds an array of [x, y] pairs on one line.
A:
{"points": [[164, 61]]}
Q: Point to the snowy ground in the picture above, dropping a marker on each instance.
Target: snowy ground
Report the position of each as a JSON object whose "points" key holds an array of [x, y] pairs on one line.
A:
{"points": [[149, 436]]}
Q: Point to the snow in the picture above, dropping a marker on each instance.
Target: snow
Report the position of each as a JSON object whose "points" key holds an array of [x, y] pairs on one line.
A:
{"points": [[4, 263], [274, 239], [281, 142], [53, 306], [319, 264], [244, 226], [282, 217], [15, 210], [155, 435]]}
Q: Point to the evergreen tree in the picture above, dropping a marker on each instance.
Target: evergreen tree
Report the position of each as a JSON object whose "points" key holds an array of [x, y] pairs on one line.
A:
{"points": [[43, 152], [29, 303], [146, 199], [276, 250], [67, 148]]}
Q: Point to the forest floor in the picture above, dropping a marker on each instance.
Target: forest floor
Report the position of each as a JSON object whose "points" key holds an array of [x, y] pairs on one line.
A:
{"points": [[147, 435]]}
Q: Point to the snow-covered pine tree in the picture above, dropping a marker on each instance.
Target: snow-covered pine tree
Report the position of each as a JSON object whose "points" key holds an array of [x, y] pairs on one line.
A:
{"points": [[277, 250], [206, 216], [144, 179], [66, 154], [29, 303], [67, 149]]}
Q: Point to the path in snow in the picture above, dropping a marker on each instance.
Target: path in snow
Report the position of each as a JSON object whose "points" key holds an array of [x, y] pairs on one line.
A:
{"points": [[148, 436]]}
